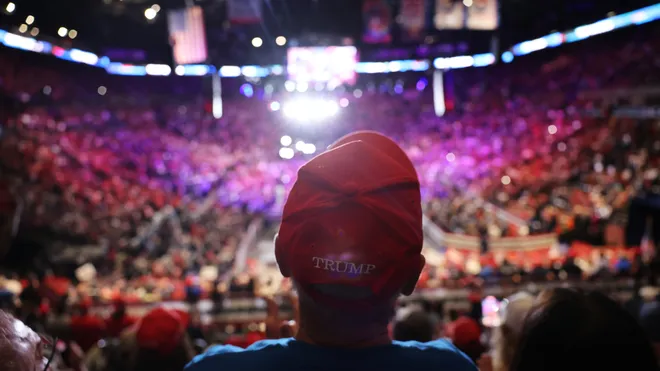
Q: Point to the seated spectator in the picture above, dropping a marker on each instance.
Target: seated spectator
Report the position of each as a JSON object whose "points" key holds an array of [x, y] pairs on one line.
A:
{"points": [[506, 336], [20, 347], [161, 342], [351, 241], [649, 318], [465, 333], [570, 330], [413, 324]]}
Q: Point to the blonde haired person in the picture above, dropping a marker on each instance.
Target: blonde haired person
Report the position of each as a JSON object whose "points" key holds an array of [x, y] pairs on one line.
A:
{"points": [[506, 336]]}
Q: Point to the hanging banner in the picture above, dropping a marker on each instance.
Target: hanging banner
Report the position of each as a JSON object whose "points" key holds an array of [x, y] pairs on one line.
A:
{"points": [[483, 15], [412, 15], [244, 11], [377, 22], [449, 15], [187, 35]]}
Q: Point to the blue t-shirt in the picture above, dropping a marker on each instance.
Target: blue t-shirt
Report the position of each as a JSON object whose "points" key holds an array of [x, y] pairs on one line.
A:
{"points": [[292, 355]]}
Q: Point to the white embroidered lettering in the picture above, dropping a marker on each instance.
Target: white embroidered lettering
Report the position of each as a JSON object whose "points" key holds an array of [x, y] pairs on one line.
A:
{"points": [[342, 266]]}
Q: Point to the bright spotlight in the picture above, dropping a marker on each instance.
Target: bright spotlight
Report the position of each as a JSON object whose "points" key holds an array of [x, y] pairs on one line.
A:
{"points": [[467, 3], [62, 31], [302, 87], [290, 86], [310, 109], [156, 7], [23, 28], [150, 13], [274, 106], [73, 34], [300, 145], [257, 42], [10, 7], [280, 40], [286, 141], [29, 20], [286, 153], [309, 149]]}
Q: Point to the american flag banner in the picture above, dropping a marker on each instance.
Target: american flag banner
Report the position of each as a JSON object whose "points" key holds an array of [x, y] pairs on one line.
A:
{"points": [[483, 15], [187, 35]]}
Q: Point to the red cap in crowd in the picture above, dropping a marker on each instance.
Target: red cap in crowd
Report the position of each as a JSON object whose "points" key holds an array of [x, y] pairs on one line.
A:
{"points": [[354, 219], [161, 330], [464, 331]]}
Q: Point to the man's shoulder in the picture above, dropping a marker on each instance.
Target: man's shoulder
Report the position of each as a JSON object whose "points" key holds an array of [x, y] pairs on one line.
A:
{"points": [[229, 354], [439, 352]]}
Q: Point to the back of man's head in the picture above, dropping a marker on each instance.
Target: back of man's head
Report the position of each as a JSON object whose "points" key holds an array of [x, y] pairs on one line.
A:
{"points": [[20, 347], [351, 232]]}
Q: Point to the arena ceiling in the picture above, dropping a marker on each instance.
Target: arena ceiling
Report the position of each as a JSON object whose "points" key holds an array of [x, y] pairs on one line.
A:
{"points": [[103, 24]]}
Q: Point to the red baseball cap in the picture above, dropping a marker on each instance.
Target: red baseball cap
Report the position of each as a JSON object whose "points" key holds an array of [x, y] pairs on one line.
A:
{"points": [[161, 329], [353, 219]]}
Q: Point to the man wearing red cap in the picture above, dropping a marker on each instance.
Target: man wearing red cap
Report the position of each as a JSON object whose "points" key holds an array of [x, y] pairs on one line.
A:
{"points": [[351, 240]]}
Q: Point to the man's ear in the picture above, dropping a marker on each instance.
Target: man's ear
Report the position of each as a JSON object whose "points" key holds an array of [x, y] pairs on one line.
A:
{"points": [[281, 258], [416, 270]]}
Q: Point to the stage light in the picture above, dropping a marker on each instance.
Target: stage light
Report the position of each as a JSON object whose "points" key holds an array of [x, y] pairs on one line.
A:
{"points": [[506, 180], [62, 31], [257, 42], [309, 110], [150, 13], [309, 149], [280, 40], [286, 141], [467, 3], [286, 153], [552, 129], [102, 90], [275, 106], [23, 28], [450, 157], [10, 8], [29, 20], [156, 8], [34, 31], [73, 34]]}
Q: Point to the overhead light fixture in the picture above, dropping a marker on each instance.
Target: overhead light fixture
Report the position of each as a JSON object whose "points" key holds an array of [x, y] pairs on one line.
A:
{"points": [[150, 14]]}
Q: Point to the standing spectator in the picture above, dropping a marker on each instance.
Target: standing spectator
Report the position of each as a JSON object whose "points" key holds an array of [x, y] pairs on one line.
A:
{"points": [[351, 240]]}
